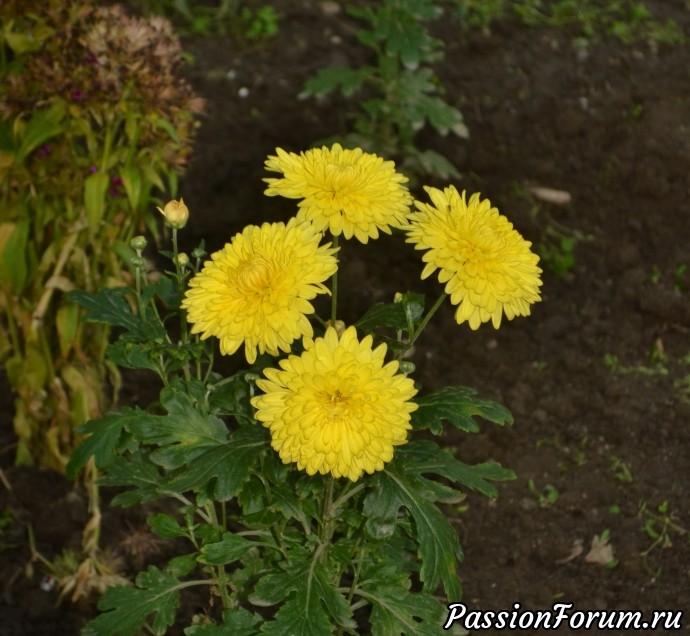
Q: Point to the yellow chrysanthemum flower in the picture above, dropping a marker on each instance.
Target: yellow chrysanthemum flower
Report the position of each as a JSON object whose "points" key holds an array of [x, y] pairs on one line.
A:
{"points": [[488, 268], [348, 192], [257, 289], [337, 408]]}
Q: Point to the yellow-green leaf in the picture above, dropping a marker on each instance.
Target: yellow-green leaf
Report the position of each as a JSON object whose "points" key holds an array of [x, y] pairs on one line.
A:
{"points": [[13, 240], [67, 323], [95, 187]]}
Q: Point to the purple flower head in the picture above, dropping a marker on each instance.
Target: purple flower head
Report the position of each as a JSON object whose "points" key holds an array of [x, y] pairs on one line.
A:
{"points": [[78, 96], [44, 151], [93, 169]]}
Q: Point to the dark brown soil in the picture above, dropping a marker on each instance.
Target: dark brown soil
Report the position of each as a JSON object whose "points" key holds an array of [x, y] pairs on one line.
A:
{"points": [[611, 128]]}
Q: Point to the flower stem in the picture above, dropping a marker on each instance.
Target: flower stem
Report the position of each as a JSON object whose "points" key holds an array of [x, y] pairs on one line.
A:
{"points": [[327, 526], [422, 325], [334, 289]]}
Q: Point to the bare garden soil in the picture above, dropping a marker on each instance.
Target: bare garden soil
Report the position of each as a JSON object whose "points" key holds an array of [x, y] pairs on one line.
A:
{"points": [[598, 378]]}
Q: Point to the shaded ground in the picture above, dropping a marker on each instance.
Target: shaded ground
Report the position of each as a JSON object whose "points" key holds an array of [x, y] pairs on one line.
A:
{"points": [[611, 128]]}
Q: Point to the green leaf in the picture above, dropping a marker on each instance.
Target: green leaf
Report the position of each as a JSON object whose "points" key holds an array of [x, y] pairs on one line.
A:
{"points": [[425, 457], [104, 438], [304, 614], [405, 314], [331, 78], [167, 127], [108, 306], [141, 473], [225, 465], [230, 548], [42, 126], [183, 434], [395, 612], [131, 179], [95, 187], [181, 565], [457, 405], [236, 622], [438, 546], [13, 250], [127, 608], [166, 526]]}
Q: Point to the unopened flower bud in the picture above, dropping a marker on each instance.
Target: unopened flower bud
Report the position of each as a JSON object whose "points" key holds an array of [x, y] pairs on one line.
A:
{"points": [[137, 262], [138, 243], [199, 252], [182, 259], [398, 298], [176, 214], [338, 325], [406, 367]]}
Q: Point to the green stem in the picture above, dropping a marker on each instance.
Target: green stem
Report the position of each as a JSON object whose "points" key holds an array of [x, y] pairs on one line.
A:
{"points": [[414, 335], [346, 494], [334, 289], [327, 525]]}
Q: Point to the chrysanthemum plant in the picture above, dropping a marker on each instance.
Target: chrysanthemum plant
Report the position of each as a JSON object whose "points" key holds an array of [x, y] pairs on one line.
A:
{"points": [[400, 94], [309, 487]]}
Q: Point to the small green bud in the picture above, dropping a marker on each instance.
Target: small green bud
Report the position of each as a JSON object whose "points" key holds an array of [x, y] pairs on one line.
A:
{"points": [[406, 367], [398, 298], [137, 261], [138, 243], [199, 252], [182, 259]]}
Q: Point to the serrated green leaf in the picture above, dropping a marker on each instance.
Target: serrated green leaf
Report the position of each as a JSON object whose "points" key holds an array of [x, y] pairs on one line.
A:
{"points": [[304, 614], [425, 457], [230, 548], [331, 78], [225, 465], [181, 565], [457, 405], [292, 619], [236, 622], [127, 608], [108, 306], [140, 473], [437, 541], [104, 438], [395, 612], [132, 355], [183, 434], [166, 526]]}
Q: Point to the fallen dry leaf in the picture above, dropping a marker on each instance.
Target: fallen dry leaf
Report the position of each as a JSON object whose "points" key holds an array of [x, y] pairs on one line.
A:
{"points": [[601, 552]]}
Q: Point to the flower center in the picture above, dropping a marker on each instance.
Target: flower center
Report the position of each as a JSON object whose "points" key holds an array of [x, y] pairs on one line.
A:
{"points": [[254, 275], [337, 406]]}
